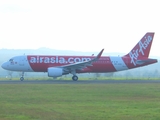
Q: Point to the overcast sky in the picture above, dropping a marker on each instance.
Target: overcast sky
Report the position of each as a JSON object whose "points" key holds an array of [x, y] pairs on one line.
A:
{"points": [[81, 25]]}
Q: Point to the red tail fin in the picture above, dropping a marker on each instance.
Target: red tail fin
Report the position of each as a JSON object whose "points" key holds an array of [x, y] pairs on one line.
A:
{"points": [[142, 49]]}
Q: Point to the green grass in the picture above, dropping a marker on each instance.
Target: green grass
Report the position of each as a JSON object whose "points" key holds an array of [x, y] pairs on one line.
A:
{"points": [[80, 102], [83, 78]]}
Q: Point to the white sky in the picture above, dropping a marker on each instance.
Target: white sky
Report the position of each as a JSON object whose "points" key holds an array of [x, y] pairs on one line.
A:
{"points": [[80, 25]]}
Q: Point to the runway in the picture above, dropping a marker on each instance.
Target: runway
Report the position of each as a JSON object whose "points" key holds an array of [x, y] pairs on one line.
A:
{"points": [[78, 82]]}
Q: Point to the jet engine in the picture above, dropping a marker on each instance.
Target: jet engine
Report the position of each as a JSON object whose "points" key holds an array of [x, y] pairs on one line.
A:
{"points": [[55, 72]]}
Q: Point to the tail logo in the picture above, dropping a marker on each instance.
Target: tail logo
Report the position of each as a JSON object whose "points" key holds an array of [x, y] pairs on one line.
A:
{"points": [[134, 54], [145, 44]]}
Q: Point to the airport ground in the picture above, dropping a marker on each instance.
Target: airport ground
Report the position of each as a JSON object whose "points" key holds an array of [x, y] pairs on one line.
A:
{"points": [[78, 82], [80, 100]]}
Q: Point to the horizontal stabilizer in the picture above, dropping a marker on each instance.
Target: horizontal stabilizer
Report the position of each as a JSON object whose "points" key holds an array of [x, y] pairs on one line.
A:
{"points": [[140, 62]]}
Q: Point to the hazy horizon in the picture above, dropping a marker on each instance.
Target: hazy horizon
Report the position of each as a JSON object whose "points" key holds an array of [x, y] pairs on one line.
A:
{"points": [[85, 25]]}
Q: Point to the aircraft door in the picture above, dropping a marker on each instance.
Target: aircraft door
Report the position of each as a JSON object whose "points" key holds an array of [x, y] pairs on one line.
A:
{"points": [[21, 61]]}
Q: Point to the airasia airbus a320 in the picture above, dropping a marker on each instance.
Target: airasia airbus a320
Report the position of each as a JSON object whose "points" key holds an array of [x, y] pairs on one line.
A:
{"points": [[57, 66]]}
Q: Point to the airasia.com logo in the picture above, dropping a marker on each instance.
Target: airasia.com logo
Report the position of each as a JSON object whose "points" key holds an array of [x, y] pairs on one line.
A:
{"points": [[56, 59], [142, 46]]}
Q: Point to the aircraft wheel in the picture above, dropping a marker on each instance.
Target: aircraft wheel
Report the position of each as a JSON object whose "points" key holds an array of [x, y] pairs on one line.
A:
{"points": [[74, 78], [21, 78]]}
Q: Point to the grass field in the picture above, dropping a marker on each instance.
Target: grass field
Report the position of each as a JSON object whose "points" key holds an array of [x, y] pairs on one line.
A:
{"points": [[81, 78], [80, 102]]}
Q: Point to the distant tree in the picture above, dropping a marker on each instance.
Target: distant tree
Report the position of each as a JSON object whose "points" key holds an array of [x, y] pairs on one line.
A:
{"points": [[147, 74], [155, 73], [97, 75], [10, 74], [109, 74], [128, 74], [19, 74]]}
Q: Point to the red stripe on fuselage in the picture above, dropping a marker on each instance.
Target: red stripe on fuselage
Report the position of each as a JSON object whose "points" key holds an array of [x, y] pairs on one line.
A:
{"points": [[41, 63]]}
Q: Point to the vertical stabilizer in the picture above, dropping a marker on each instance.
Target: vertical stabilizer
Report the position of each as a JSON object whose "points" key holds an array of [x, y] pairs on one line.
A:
{"points": [[142, 48]]}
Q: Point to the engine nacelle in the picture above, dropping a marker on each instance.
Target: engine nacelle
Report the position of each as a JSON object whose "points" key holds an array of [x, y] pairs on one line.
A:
{"points": [[55, 72]]}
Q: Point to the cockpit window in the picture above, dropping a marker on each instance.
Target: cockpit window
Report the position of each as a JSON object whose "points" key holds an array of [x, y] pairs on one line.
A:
{"points": [[11, 60]]}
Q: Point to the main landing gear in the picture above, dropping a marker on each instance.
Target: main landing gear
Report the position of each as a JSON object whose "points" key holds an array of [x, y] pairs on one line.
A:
{"points": [[75, 78], [22, 78]]}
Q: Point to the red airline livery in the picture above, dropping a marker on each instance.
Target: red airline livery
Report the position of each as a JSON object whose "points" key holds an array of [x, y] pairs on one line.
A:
{"points": [[57, 66]]}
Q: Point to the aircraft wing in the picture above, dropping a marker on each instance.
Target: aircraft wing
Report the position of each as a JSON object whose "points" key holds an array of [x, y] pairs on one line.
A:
{"points": [[80, 65]]}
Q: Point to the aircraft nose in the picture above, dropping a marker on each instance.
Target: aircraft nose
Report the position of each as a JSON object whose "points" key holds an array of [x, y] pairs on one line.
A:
{"points": [[4, 65]]}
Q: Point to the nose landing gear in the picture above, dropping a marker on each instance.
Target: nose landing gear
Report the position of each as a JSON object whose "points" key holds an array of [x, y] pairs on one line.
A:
{"points": [[22, 78]]}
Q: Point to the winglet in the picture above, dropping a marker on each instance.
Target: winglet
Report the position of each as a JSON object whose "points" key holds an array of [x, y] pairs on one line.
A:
{"points": [[99, 55]]}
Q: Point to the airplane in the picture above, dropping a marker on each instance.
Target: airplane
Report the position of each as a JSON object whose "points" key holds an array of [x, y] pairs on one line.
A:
{"points": [[56, 66]]}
